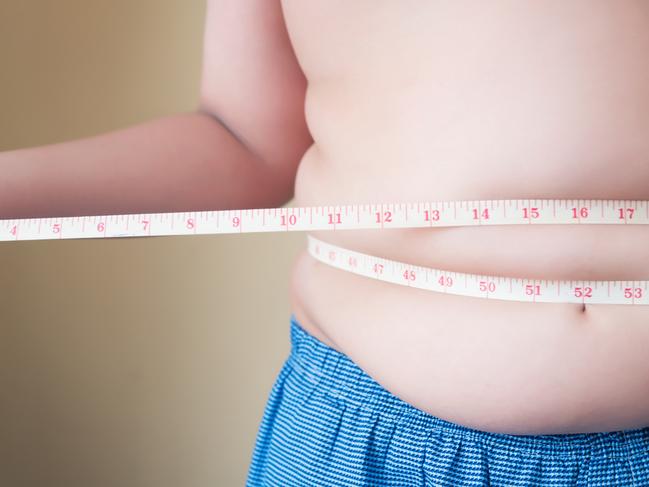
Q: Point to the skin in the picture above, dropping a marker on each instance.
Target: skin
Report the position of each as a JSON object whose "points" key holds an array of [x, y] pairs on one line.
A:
{"points": [[481, 100], [354, 102]]}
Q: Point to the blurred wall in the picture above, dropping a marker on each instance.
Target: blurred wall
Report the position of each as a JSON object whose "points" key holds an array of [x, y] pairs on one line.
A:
{"points": [[128, 361]]}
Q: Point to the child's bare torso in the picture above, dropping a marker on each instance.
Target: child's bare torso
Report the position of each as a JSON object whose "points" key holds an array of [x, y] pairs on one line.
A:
{"points": [[441, 100]]}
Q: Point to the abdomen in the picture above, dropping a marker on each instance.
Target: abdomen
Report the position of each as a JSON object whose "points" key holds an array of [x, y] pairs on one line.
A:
{"points": [[484, 101]]}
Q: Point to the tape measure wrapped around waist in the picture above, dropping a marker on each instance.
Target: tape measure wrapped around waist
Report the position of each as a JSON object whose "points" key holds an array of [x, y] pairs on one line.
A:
{"points": [[380, 216]]}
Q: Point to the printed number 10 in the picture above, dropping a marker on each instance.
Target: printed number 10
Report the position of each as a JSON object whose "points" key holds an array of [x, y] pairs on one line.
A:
{"points": [[292, 219]]}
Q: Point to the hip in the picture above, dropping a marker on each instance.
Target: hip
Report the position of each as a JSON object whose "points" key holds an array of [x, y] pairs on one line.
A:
{"points": [[506, 367], [327, 422]]}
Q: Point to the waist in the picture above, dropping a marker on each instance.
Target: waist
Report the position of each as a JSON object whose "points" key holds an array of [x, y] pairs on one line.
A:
{"points": [[579, 252], [566, 252]]}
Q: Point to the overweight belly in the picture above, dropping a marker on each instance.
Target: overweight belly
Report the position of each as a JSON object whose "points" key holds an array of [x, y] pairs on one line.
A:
{"points": [[506, 367], [501, 366], [451, 106]]}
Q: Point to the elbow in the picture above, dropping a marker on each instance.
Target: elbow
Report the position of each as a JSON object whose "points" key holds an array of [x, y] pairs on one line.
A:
{"points": [[275, 152], [282, 167], [283, 184]]}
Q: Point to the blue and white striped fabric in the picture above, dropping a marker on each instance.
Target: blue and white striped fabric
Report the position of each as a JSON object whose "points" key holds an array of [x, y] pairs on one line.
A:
{"points": [[327, 423]]}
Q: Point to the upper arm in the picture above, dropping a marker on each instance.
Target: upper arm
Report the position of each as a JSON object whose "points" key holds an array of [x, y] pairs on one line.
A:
{"points": [[252, 81]]}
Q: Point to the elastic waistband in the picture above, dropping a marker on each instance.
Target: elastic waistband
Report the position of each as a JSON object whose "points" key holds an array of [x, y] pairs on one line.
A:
{"points": [[335, 372]]}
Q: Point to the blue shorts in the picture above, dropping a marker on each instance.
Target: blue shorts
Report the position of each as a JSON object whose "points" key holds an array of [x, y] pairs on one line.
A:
{"points": [[328, 423]]}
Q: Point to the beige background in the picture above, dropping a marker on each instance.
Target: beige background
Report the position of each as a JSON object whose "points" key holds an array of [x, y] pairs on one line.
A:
{"points": [[130, 361]]}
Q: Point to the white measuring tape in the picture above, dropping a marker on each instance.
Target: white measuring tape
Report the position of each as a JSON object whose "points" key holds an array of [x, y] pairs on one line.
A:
{"points": [[380, 216]]}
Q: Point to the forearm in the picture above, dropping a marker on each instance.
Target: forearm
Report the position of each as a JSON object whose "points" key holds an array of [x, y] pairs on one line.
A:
{"points": [[186, 162]]}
